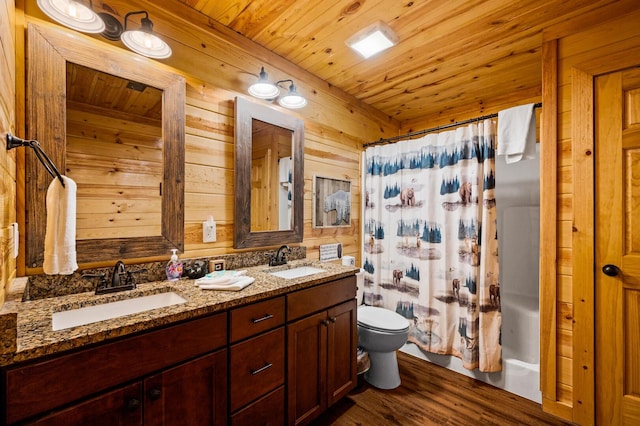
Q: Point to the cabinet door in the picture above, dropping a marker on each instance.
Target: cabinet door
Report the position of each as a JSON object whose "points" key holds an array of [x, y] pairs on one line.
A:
{"points": [[121, 407], [341, 357], [307, 368], [193, 393]]}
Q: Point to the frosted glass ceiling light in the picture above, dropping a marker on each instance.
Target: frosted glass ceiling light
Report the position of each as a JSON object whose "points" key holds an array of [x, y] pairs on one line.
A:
{"points": [[292, 99], [373, 39], [143, 41], [263, 88], [73, 14]]}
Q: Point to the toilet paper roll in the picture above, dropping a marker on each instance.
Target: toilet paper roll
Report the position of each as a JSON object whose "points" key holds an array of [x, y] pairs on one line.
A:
{"points": [[348, 260]]}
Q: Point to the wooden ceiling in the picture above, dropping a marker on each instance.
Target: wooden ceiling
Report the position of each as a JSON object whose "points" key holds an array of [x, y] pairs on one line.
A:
{"points": [[450, 53]]}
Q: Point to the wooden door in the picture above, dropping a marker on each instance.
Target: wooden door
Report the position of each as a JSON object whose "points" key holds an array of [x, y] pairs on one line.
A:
{"points": [[307, 368], [260, 193], [193, 393], [617, 163], [120, 407], [342, 374]]}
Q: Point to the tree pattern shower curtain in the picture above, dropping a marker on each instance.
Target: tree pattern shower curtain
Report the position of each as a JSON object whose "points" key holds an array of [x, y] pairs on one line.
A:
{"points": [[430, 248]]}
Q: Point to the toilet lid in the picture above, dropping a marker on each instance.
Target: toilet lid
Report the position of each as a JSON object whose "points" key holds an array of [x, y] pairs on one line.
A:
{"points": [[381, 319]]}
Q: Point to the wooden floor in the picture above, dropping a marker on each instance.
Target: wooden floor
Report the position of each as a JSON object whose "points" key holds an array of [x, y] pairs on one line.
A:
{"points": [[432, 395]]}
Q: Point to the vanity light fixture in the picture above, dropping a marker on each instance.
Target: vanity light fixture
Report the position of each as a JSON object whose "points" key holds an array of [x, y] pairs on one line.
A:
{"points": [[265, 89], [373, 39], [142, 40], [73, 14], [77, 16]]}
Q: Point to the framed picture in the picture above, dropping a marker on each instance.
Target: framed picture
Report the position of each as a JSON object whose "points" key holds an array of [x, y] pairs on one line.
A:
{"points": [[331, 202]]}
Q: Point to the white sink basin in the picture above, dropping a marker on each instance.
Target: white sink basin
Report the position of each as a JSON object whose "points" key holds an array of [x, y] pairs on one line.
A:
{"points": [[105, 311], [301, 271]]}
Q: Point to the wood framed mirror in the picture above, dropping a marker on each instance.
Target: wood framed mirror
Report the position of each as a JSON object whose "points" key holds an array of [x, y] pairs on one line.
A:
{"points": [[269, 171], [56, 55]]}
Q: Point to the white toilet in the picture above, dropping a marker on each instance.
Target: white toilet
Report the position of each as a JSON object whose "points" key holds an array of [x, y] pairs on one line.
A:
{"points": [[381, 333]]}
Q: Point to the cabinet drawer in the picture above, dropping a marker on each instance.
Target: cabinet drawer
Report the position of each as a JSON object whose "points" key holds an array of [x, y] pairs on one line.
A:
{"points": [[250, 320], [268, 410], [314, 299], [256, 367]]}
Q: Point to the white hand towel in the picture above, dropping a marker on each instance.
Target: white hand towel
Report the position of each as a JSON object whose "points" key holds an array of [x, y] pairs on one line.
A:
{"points": [[284, 169], [517, 133], [60, 237], [236, 284]]}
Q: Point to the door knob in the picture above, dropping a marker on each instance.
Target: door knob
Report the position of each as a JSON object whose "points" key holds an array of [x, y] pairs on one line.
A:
{"points": [[610, 270], [133, 404], [155, 393]]}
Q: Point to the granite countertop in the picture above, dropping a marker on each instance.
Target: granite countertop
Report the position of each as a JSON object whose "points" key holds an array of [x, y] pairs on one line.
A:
{"points": [[34, 337]]}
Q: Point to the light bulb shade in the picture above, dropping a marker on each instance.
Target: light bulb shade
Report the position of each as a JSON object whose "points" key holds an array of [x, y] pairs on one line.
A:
{"points": [[263, 88], [292, 100], [146, 44], [72, 14]]}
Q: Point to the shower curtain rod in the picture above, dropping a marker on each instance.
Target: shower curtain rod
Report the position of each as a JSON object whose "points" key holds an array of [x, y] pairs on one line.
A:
{"points": [[435, 129]]}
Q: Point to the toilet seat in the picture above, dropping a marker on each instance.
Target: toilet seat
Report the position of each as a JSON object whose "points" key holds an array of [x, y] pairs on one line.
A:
{"points": [[380, 319]]}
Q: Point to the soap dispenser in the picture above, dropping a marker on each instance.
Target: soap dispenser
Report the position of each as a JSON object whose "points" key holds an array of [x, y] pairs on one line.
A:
{"points": [[174, 267]]}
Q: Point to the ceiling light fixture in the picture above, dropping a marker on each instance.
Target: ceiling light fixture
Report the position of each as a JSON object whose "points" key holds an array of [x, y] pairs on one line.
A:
{"points": [[373, 39], [265, 89], [73, 14]]}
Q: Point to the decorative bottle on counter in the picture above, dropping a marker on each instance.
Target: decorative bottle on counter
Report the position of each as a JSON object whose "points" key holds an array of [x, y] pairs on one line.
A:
{"points": [[174, 267]]}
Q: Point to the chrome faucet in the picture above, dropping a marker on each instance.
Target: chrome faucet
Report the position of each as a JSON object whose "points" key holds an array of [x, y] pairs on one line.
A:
{"points": [[280, 257]]}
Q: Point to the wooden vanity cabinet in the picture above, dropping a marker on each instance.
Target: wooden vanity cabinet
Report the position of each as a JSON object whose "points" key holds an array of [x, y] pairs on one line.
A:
{"points": [[176, 372], [278, 361], [321, 348]]}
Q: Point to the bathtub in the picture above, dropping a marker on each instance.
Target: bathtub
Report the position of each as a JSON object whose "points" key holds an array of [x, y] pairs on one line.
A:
{"points": [[520, 373], [517, 376]]}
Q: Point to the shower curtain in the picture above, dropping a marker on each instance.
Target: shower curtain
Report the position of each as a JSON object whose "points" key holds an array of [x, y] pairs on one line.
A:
{"points": [[430, 248]]}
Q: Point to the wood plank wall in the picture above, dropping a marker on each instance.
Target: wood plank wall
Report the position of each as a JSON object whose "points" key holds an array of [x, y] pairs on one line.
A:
{"points": [[117, 164], [219, 65], [7, 158]]}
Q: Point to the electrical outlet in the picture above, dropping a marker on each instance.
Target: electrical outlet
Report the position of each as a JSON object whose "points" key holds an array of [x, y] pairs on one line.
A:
{"points": [[208, 232], [216, 265]]}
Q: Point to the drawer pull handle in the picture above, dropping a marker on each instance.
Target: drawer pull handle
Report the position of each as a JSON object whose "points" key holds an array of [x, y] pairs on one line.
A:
{"points": [[264, 318], [332, 319], [261, 369], [325, 322]]}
